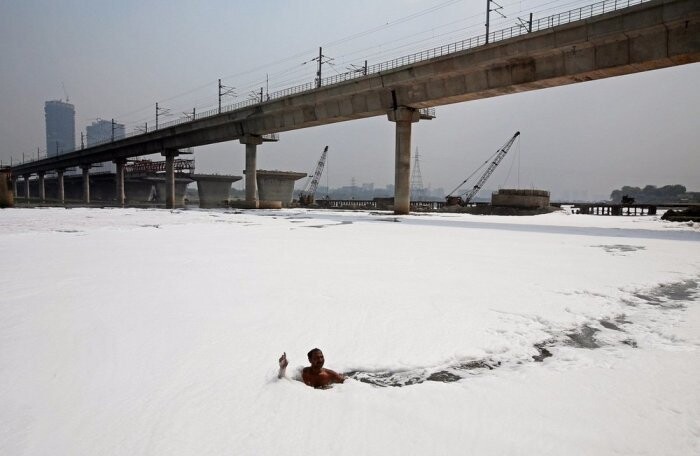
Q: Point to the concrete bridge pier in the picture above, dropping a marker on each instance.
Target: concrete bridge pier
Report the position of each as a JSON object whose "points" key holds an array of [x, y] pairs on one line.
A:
{"points": [[86, 183], [119, 177], [251, 188], [61, 187], [7, 197], [42, 186], [170, 155], [15, 191], [26, 186], [403, 117]]}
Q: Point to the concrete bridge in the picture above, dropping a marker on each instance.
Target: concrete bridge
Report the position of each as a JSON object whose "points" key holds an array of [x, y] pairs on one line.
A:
{"points": [[602, 40]]}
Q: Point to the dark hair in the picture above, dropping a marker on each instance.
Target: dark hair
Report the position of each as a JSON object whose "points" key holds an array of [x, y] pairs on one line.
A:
{"points": [[312, 352]]}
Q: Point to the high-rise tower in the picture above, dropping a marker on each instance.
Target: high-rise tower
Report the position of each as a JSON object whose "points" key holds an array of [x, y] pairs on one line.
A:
{"points": [[103, 131], [60, 127]]}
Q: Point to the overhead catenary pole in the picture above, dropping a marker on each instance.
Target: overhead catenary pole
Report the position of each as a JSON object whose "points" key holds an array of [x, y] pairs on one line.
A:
{"points": [[318, 72], [224, 90], [112, 130], [488, 15]]}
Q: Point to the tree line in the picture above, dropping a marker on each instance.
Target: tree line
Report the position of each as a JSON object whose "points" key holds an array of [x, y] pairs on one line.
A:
{"points": [[652, 194]]}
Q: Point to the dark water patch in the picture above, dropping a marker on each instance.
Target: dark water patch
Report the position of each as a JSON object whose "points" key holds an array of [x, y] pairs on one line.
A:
{"points": [[393, 219], [149, 226], [684, 291], [344, 222], [609, 325], [478, 364], [387, 378], [620, 248], [632, 343], [650, 299], [679, 291], [444, 377], [621, 320], [542, 352], [68, 231], [450, 374], [583, 338]]}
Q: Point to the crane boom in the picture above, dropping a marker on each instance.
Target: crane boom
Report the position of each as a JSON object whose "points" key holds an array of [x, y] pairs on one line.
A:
{"points": [[306, 197], [492, 166]]}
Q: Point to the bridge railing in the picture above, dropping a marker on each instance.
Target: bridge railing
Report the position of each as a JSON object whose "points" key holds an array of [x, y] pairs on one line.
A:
{"points": [[544, 23]]}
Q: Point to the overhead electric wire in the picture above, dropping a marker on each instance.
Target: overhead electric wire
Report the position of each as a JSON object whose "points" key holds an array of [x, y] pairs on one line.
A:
{"points": [[292, 71]]}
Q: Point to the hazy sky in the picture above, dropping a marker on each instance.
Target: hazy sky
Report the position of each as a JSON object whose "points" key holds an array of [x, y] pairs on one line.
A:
{"points": [[117, 59]]}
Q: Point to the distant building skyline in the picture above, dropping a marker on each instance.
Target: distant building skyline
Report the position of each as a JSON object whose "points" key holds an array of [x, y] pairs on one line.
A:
{"points": [[60, 127], [101, 130]]}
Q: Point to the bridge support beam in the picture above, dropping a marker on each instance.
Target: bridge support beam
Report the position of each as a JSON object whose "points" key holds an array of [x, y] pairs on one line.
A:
{"points": [[403, 117], [121, 197], [14, 187], [61, 187], [170, 155], [26, 186], [42, 187], [86, 183], [251, 185]]}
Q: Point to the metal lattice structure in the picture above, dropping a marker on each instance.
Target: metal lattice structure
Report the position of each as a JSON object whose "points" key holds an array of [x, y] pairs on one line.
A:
{"points": [[495, 160], [417, 189], [307, 195], [152, 167]]}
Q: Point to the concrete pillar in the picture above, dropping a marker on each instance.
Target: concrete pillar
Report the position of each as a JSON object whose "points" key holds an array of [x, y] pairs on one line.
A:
{"points": [[42, 187], [121, 196], [86, 183], [26, 186], [14, 187], [213, 190], [61, 188], [170, 177], [251, 187], [7, 196], [403, 117]]}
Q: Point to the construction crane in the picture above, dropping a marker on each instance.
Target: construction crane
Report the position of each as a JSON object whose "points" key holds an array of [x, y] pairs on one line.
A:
{"points": [[306, 197], [497, 157]]}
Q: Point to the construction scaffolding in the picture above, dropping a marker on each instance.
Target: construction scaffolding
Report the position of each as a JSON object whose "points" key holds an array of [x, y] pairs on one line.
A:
{"points": [[181, 166]]}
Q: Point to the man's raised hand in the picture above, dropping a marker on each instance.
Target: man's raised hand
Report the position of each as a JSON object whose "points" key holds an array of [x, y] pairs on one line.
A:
{"points": [[283, 361]]}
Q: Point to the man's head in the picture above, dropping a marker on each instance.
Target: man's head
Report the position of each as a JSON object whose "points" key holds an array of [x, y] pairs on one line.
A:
{"points": [[316, 358]]}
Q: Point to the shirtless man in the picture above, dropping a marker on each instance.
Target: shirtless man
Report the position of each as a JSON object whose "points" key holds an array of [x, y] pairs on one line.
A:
{"points": [[314, 375]]}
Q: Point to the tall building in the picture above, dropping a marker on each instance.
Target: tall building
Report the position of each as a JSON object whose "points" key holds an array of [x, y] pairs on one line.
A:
{"points": [[101, 131], [60, 127]]}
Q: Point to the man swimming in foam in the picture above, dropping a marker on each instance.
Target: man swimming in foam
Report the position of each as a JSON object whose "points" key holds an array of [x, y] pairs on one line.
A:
{"points": [[314, 375]]}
